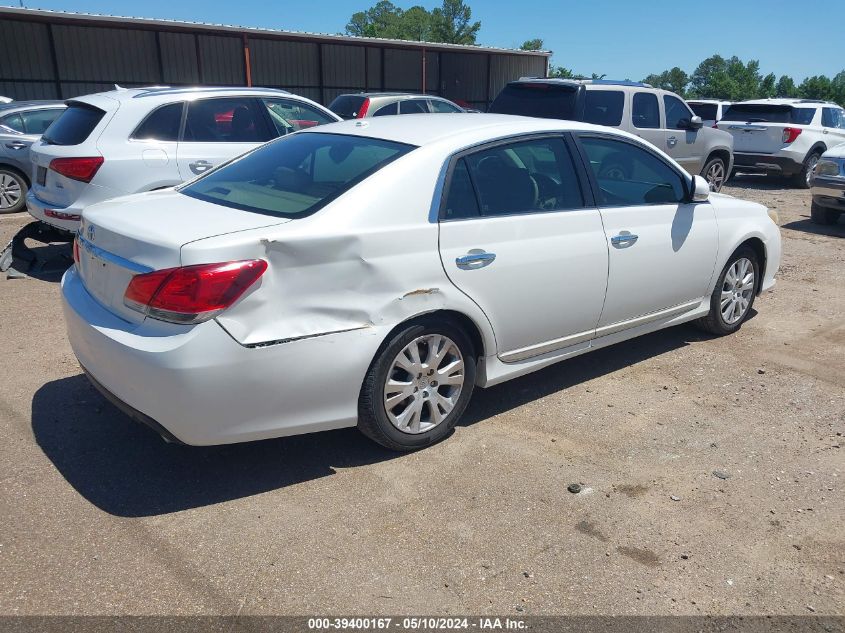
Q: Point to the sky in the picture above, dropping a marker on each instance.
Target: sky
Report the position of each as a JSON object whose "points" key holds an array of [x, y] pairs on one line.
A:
{"points": [[624, 39]]}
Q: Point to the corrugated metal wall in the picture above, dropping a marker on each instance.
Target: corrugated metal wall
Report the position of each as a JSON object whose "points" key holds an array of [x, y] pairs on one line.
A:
{"points": [[48, 60]]}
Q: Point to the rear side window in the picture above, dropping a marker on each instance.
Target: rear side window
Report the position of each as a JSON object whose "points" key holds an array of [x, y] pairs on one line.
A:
{"points": [[162, 124], [37, 121], [547, 101], [74, 125], [604, 107], [289, 116], [442, 106], [707, 111], [768, 113], [461, 202], [296, 175], [389, 109], [230, 120], [677, 113], [413, 106], [645, 111], [347, 106], [13, 122], [833, 117], [629, 175]]}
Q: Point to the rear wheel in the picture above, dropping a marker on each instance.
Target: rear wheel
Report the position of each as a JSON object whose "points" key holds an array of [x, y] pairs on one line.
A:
{"points": [[823, 215], [715, 173], [802, 178], [734, 293], [12, 191], [418, 386]]}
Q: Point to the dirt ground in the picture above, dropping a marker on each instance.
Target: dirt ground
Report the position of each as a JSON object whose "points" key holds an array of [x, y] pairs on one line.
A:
{"points": [[99, 516]]}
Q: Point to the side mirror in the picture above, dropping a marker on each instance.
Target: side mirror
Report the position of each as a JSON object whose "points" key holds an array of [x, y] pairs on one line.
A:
{"points": [[700, 189], [695, 123]]}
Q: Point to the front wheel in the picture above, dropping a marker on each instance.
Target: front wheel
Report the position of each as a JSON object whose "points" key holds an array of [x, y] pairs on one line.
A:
{"points": [[418, 386], [734, 294], [714, 173], [803, 177]]}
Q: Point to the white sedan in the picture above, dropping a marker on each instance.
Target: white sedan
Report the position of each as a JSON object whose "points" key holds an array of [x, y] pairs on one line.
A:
{"points": [[373, 273]]}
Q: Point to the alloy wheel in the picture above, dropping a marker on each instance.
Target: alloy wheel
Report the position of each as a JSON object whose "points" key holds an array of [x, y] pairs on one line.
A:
{"points": [[424, 383], [715, 176], [10, 191], [737, 291], [811, 167]]}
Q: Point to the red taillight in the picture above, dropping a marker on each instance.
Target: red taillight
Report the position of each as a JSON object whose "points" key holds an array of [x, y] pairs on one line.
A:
{"points": [[363, 111], [82, 169], [76, 251], [790, 134], [192, 294]]}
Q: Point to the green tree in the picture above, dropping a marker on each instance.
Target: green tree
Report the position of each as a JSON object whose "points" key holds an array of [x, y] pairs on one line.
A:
{"points": [[785, 87], [720, 78], [768, 88], [381, 20], [559, 72], [452, 23], [837, 86], [532, 45], [816, 87], [675, 80]]}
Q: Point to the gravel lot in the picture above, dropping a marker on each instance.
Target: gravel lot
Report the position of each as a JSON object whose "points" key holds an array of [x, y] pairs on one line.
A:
{"points": [[99, 516]]}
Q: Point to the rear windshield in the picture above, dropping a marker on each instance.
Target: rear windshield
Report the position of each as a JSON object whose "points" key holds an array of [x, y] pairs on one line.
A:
{"points": [[295, 175], [547, 101], [604, 107], [74, 125], [768, 113], [706, 111], [347, 106]]}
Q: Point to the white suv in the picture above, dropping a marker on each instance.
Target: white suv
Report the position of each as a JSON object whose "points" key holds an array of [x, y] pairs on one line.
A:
{"points": [[132, 140], [783, 137]]}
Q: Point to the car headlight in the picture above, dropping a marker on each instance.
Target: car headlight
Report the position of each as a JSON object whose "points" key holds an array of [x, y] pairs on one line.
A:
{"points": [[828, 167], [774, 215]]}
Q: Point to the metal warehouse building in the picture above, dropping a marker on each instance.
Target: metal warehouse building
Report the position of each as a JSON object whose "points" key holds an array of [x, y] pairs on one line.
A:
{"points": [[50, 55]]}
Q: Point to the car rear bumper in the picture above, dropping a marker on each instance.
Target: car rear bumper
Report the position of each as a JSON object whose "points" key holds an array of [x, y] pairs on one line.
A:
{"points": [[768, 163], [828, 192], [67, 218], [197, 385]]}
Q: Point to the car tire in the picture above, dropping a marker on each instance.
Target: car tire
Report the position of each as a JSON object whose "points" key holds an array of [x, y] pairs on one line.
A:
{"points": [[823, 215], [715, 168], [13, 190], [802, 178], [381, 422], [725, 294]]}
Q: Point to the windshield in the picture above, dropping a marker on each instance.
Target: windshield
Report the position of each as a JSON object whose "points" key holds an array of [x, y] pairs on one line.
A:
{"points": [[548, 101], [768, 113], [706, 111], [295, 175], [74, 125]]}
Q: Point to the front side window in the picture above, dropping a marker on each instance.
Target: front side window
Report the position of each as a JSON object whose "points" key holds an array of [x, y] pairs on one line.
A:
{"points": [[523, 177], [162, 124], [629, 175], [37, 121], [413, 106], [604, 107], [677, 113], [442, 106], [13, 123], [289, 116], [391, 108], [645, 112], [229, 120], [296, 175]]}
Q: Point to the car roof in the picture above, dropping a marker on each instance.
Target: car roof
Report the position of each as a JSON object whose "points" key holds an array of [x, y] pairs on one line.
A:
{"points": [[166, 93], [788, 101], [13, 106], [455, 130], [709, 101]]}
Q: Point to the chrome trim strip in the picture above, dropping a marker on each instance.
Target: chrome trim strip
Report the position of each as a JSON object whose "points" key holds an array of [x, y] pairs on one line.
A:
{"points": [[646, 318], [112, 258], [544, 348]]}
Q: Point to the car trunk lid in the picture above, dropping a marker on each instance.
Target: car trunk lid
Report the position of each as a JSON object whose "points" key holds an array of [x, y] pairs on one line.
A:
{"points": [[145, 232], [760, 128]]}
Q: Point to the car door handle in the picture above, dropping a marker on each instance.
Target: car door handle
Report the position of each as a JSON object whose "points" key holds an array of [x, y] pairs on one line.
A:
{"points": [[200, 166], [672, 140], [623, 239], [17, 145], [473, 260]]}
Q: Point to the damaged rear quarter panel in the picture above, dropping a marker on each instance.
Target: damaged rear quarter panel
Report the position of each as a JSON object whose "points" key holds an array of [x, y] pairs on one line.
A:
{"points": [[368, 261]]}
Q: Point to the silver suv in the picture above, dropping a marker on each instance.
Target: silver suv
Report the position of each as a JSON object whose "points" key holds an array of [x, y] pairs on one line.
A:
{"points": [[21, 123], [367, 104], [658, 116]]}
